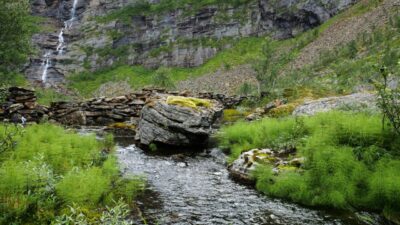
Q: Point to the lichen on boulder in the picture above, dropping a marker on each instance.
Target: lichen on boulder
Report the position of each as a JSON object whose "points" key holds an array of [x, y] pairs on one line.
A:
{"points": [[193, 103], [178, 121]]}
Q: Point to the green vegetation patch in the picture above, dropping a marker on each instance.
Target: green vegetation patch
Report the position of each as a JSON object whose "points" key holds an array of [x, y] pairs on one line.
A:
{"points": [[350, 160], [48, 173]]}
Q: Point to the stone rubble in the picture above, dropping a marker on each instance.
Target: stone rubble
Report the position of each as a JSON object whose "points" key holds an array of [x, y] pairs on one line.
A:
{"points": [[93, 112]]}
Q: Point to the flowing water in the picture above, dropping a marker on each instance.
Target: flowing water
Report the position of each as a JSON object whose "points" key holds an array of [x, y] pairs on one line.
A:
{"points": [[47, 58], [197, 189], [46, 64]]}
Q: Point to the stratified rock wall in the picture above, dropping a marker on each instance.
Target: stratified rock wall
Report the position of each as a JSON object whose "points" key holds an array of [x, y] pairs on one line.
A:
{"points": [[182, 37]]}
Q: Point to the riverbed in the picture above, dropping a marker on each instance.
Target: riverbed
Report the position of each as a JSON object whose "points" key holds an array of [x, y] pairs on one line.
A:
{"points": [[195, 188]]}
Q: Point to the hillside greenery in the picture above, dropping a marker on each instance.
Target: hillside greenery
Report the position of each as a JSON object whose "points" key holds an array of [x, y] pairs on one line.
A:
{"points": [[47, 174], [350, 160], [252, 50]]}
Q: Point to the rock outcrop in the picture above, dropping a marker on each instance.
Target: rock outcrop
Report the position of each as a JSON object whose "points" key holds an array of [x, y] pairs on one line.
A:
{"points": [[20, 103], [178, 121], [358, 101], [185, 36]]}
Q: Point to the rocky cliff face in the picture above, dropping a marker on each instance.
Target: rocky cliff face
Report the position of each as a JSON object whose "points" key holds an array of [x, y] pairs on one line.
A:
{"points": [[184, 37]]}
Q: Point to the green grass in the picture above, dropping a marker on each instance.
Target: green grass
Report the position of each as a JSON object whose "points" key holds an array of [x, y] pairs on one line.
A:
{"points": [[349, 67], [47, 96], [350, 160], [49, 169], [245, 51]]}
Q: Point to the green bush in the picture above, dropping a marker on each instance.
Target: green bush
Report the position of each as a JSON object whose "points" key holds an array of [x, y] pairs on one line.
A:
{"points": [[46, 170], [47, 96], [273, 133], [61, 149], [350, 160], [83, 187]]}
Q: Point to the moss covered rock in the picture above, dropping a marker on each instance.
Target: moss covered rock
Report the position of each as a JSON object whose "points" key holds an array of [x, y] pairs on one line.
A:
{"points": [[178, 121], [242, 168]]}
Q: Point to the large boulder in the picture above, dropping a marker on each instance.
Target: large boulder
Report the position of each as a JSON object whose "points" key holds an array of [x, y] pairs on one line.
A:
{"points": [[178, 121]]}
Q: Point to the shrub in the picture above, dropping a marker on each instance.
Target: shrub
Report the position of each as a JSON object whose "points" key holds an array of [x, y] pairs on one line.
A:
{"points": [[389, 100], [49, 169], [162, 78], [272, 133], [350, 161], [61, 149], [26, 187], [83, 187]]}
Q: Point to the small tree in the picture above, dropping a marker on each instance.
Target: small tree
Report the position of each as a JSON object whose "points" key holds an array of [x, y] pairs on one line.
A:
{"points": [[263, 67], [162, 79], [16, 29], [389, 100]]}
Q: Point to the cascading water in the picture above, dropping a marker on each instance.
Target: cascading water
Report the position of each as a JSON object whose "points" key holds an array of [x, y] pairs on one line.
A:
{"points": [[67, 25], [60, 46], [61, 42], [46, 64]]}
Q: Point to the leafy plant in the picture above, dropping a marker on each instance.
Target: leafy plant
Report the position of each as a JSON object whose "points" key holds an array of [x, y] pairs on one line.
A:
{"points": [[162, 78], [389, 100], [17, 26]]}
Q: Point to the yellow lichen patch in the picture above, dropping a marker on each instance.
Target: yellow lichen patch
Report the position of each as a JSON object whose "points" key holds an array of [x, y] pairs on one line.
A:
{"points": [[122, 126], [287, 168], [188, 102], [283, 110], [232, 115]]}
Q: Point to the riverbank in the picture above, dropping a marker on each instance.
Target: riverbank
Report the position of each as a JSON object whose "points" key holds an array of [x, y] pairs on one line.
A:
{"points": [[349, 161], [49, 175]]}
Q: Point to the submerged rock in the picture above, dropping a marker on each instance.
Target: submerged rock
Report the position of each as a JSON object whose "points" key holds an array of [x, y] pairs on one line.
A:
{"points": [[178, 121]]}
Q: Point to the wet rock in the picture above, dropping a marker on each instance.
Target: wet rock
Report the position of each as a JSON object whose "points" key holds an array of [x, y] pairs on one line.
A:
{"points": [[178, 121], [242, 168], [351, 102], [122, 129], [247, 162]]}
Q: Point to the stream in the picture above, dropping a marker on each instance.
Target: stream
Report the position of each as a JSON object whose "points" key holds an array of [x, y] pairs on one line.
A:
{"points": [[195, 188]]}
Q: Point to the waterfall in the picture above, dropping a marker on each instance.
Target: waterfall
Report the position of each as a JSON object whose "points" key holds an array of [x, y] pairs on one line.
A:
{"points": [[68, 23], [60, 46], [46, 62]]}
